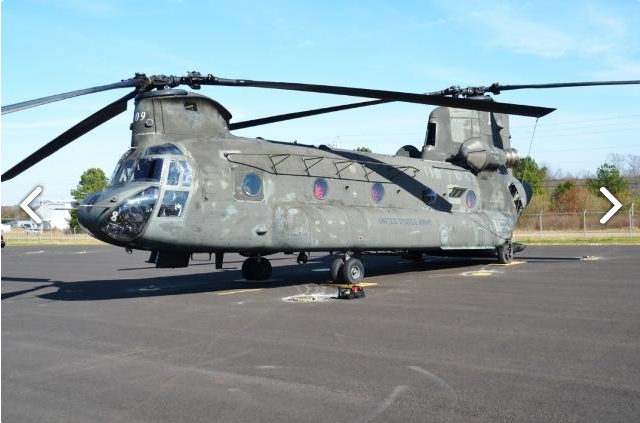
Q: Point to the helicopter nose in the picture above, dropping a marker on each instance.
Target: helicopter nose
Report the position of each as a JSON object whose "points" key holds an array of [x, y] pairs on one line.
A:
{"points": [[118, 215], [90, 210]]}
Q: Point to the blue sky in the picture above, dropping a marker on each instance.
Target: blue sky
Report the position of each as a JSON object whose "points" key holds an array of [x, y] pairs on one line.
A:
{"points": [[416, 46]]}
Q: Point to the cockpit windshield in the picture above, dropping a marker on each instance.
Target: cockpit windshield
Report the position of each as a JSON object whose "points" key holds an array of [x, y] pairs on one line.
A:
{"points": [[124, 168], [147, 170], [148, 167]]}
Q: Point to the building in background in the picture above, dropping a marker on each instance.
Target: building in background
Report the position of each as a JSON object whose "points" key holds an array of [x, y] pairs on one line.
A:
{"points": [[55, 214]]}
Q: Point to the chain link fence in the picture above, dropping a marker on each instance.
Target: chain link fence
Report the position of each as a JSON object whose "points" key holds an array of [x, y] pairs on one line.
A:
{"points": [[579, 224], [17, 236]]}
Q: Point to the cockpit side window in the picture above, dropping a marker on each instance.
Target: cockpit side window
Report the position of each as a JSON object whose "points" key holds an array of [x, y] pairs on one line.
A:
{"points": [[173, 203], [188, 176], [173, 177], [178, 168]]}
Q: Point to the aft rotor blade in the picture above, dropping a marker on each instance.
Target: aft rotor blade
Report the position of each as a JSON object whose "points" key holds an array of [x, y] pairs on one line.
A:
{"points": [[93, 121], [135, 82], [500, 87], [434, 100], [306, 113]]}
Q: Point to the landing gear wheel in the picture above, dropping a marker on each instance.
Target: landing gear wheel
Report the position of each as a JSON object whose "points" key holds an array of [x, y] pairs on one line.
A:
{"points": [[505, 253], [336, 270], [353, 271], [256, 269]]}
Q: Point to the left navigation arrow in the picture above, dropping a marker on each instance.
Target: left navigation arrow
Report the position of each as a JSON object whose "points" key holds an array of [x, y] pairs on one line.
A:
{"points": [[25, 205]]}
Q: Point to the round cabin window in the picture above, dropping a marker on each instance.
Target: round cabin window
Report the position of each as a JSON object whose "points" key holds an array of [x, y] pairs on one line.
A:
{"points": [[251, 184], [429, 196], [471, 199], [320, 188], [377, 192]]}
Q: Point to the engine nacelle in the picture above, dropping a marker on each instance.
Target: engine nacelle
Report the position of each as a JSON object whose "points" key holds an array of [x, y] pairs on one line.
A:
{"points": [[480, 156]]}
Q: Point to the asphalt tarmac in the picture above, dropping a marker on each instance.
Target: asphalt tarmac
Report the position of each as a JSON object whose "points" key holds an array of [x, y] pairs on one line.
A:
{"points": [[94, 334]]}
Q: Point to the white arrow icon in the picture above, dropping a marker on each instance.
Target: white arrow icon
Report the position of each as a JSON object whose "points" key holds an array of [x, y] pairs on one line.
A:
{"points": [[616, 205], [25, 205]]}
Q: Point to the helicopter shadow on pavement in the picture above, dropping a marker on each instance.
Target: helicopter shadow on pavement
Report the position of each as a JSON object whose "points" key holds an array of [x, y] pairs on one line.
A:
{"points": [[314, 272], [7, 295]]}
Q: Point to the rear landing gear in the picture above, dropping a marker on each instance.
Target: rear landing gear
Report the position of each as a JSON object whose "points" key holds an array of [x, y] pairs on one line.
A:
{"points": [[256, 269], [348, 270], [505, 253]]}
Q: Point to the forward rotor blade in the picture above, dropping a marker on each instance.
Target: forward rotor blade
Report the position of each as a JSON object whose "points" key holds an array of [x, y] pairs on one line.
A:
{"points": [[98, 118], [434, 100], [135, 82], [297, 115]]}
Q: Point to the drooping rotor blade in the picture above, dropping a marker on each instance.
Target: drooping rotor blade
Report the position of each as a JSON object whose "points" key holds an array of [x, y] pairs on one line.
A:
{"points": [[565, 84], [497, 88], [98, 118], [127, 83], [306, 113], [434, 100]]}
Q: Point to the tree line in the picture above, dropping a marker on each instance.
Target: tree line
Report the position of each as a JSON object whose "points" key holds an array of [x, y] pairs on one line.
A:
{"points": [[554, 192]]}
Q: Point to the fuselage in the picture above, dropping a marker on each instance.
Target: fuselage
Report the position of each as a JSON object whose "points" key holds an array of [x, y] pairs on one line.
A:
{"points": [[188, 184]]}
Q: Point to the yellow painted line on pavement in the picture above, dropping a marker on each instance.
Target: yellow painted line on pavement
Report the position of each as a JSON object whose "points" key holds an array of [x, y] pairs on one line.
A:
{"points": [[513, 263], [481, 273]]}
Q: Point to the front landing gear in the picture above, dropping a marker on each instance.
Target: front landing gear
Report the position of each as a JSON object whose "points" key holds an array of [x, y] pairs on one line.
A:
{"points": [[256, 269], [348, 270]]}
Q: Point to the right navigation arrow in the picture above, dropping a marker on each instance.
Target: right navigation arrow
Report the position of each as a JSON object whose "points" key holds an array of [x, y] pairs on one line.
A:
{"points": [[616, 205]]}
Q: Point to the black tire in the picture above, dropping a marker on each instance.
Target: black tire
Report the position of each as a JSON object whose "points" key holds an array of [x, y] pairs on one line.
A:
{"points": [[265, 269], [249, 267], [256, 269], [505, 253], [353, 271], [336, 270]]}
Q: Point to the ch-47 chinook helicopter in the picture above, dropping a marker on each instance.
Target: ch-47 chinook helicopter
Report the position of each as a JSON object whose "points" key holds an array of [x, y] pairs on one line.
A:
{"points": [[188, 185]]}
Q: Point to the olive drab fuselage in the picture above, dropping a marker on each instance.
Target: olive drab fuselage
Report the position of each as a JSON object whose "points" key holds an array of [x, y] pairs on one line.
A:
{"points": [[189, 185]]}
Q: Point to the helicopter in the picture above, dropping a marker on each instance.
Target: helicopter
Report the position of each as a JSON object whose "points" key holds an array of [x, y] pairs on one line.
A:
{"points": [[188, 185]]}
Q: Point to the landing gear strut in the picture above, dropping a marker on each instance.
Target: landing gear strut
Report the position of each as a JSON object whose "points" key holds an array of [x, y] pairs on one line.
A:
{"points": [[256, 269], [302, 258], [349, 271]]}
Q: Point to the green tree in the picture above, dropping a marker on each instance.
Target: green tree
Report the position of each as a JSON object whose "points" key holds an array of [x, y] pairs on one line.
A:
{"points": [[527, 170], [608, 176], [364, 149], [92, 180]]}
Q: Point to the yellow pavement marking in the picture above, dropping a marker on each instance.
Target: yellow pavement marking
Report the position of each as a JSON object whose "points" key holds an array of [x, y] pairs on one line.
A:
{"points": [[240, 291], [482, 273], [513, 263]]}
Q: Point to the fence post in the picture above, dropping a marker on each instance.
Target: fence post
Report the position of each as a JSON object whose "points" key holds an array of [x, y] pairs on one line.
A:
{"points": [[584, 223], [631, 221], [540, 223]]}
